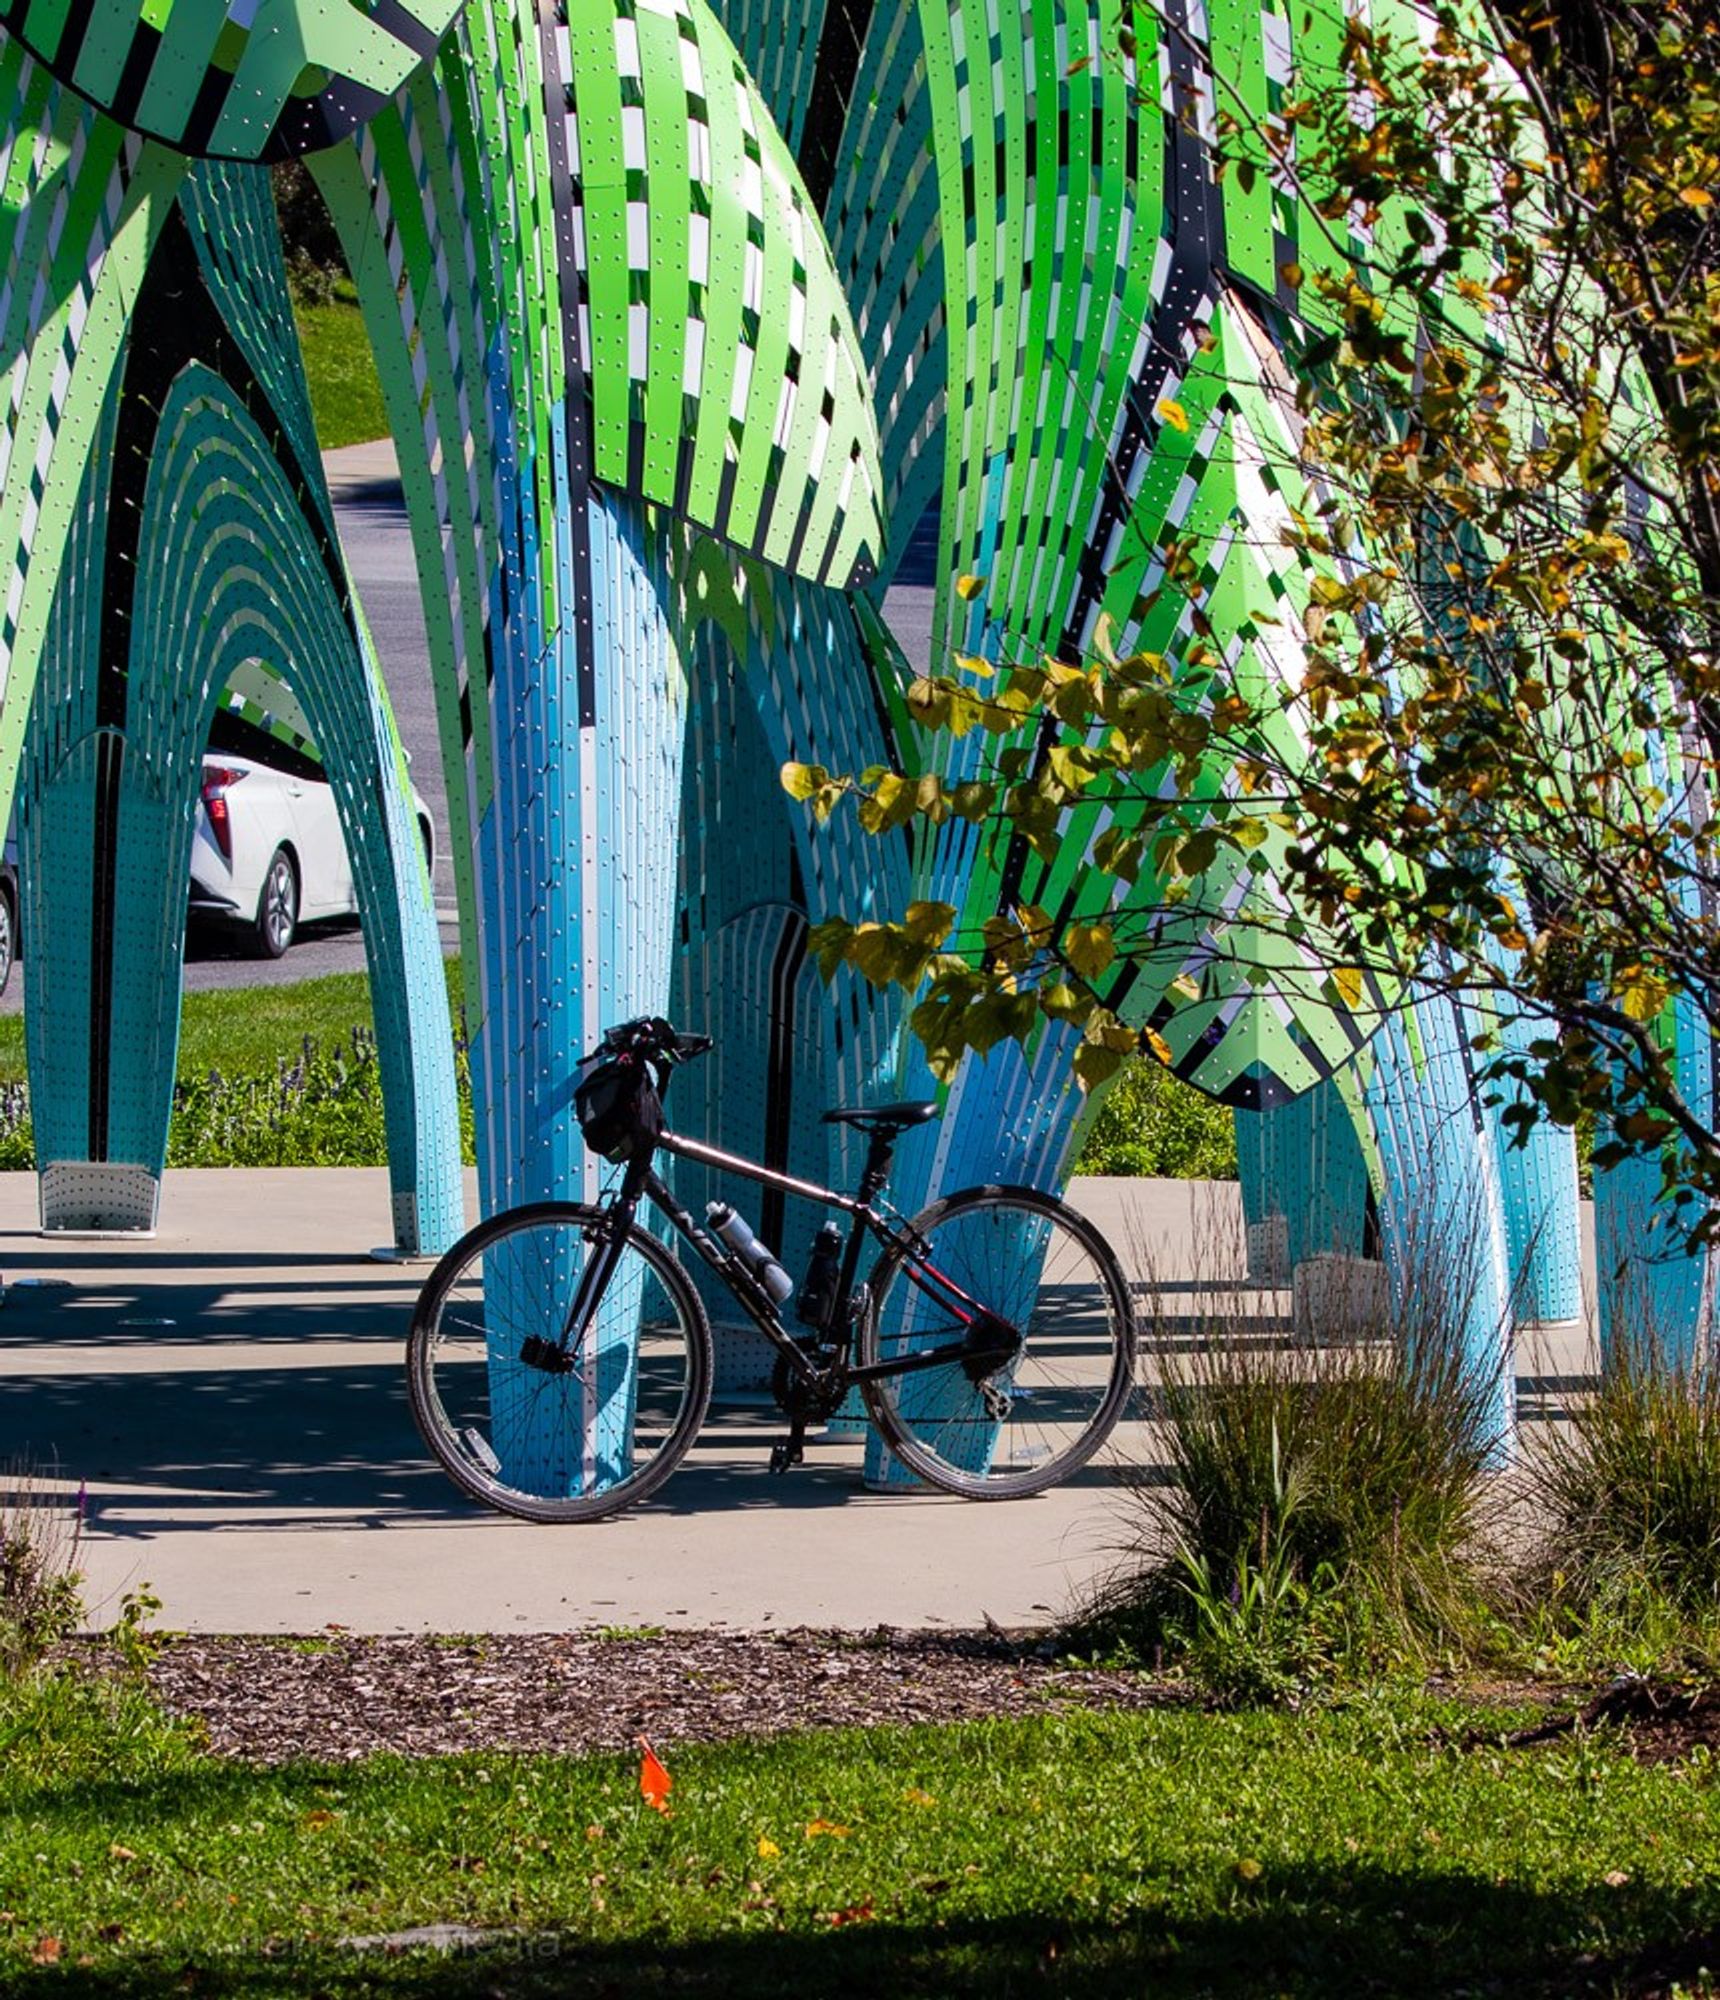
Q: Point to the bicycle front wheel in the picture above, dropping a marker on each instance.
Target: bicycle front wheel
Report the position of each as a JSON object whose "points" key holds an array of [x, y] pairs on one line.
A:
{"points": [[531, 1428], [1018, 1425]]}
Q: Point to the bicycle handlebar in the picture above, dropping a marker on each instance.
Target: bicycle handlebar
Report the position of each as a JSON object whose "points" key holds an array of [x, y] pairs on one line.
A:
{"points": [[653, 1038]]}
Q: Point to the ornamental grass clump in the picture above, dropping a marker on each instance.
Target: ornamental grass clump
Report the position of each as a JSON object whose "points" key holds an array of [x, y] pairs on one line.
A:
{"points": [[40, 1597], [1629, 1500], [1317, 1511]]}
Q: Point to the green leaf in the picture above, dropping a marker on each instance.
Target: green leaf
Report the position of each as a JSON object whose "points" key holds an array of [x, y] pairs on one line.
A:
{"points": [[1094, 1065], [1198, 852], [1089, 948], [829, 942], [929, 923], [1071, 765], [1063, 1002]]}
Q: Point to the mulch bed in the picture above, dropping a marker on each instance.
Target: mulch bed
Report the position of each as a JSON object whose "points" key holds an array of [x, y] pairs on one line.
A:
{"points": [[1662, 1722], [266, 1700], [341, 1696]]}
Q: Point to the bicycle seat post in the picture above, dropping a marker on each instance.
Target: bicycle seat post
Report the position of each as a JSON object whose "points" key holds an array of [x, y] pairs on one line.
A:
{"points": [[880, 1151]]}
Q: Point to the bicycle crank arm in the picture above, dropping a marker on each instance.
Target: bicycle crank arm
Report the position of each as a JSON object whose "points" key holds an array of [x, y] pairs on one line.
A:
{"points": [[790, 1450]]}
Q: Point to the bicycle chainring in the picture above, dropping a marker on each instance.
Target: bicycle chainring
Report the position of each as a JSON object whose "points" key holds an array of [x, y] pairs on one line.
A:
{"points": [[812, 1402]]}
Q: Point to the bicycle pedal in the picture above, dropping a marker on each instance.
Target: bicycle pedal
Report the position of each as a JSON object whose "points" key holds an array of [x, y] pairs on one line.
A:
{"points": [[784, 1453]]}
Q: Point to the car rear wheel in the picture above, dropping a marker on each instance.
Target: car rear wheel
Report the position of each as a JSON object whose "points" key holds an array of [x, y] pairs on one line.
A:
{"points": [[278, 906], [8, 934]]}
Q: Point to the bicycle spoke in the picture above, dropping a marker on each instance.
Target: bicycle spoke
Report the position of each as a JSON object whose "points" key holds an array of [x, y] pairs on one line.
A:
{"points": [[1015, 1426], [532, 1429]]}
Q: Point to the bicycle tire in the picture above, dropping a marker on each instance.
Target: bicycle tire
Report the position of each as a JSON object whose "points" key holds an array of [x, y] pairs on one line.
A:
{"points": [[547, 1446], [1060, 1397]]}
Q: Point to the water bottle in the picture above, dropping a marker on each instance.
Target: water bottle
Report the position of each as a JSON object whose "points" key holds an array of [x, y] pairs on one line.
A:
{"points": [[818, 1292], [758, 1257]]}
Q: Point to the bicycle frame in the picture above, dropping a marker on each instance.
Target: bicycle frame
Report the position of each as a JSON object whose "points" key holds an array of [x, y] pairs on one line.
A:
{"points": [[642, 1181]]}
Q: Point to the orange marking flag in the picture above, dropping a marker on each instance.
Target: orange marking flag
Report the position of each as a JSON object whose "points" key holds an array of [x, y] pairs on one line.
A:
{"points": [[654, 1780]]}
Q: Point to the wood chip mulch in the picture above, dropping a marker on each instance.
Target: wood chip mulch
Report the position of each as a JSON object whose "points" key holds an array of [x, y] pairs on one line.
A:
{"points": [[1661, 1722], [265, 1700]]}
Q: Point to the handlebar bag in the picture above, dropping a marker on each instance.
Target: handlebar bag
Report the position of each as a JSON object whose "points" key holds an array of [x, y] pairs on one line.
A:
{"points": [[618, 1107]]}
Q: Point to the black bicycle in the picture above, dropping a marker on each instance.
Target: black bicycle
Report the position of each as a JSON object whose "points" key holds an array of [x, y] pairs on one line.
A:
{"points": [[560, 1358]]}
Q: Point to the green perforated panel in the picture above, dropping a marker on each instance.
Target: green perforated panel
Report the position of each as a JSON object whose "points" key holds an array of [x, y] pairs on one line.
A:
{"points": [[233, 79]]}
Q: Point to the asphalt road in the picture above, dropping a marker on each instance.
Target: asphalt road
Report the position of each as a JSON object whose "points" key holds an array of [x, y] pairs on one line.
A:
{"points": [[372, 518]]}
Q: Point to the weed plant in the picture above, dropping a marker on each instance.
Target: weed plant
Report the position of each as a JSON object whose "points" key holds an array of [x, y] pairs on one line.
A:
{"points": [[40, 1599], [1318, 1513], [1629, 1503]]}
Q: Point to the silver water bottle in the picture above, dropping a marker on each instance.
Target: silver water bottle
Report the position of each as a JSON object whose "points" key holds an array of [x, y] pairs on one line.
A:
{"points": [[758, 1257]]}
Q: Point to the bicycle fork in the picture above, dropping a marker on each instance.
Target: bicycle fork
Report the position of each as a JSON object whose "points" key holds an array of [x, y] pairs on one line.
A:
{"points": [[560, 1356]]}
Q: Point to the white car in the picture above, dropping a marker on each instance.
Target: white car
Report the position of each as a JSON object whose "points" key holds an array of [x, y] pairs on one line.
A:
{"points": [[10, 906], [267, 851]]}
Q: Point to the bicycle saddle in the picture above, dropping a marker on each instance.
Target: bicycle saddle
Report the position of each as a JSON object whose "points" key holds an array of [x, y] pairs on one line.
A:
{"points": [[882, 1117]]}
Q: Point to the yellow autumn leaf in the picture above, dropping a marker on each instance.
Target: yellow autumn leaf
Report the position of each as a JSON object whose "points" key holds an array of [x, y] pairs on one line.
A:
{"points": [[915, 1797], [982, 670], [1348, 980], [1695, 197], [1640, 993], [1089, 948], [1159, 1046], [1171, 413], [1185, 986], [827, 1829], [767, 1848], [969, 587]]}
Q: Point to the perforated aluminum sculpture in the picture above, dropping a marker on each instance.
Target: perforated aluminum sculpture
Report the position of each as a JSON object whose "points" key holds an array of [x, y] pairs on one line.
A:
{"points": [[675, 307]]}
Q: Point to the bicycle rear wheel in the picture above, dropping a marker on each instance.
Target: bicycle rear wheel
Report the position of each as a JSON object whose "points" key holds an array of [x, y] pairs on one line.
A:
{"points": [[569, 1442], [1034, 1263]]}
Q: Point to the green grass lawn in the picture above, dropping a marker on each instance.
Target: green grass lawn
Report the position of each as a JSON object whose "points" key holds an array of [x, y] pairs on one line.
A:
{"points": [[346, 396], [248, 1092], [1177, 1852]]}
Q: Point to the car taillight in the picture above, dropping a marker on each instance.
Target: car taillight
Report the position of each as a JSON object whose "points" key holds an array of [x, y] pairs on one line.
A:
{"points": [[217, 779]]}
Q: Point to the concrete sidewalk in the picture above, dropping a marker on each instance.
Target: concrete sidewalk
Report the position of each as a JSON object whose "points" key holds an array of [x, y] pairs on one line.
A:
{"points": [[231, 1395]]}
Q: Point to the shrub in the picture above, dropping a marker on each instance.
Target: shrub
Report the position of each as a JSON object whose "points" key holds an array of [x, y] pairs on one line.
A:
{"points": [[1153, 1123], [17, 1152], [324, 1108], [1629, 1492], [1319, 1510], [40, 1600]]}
